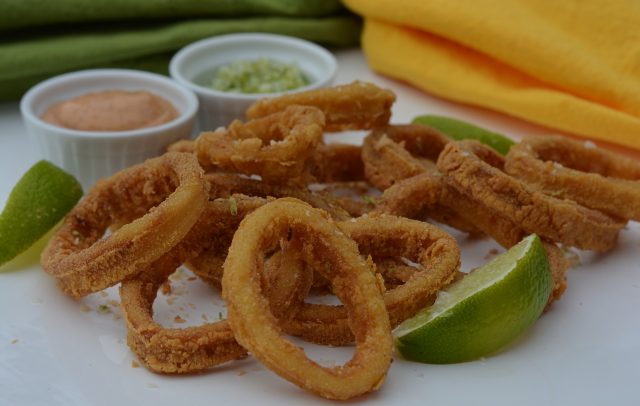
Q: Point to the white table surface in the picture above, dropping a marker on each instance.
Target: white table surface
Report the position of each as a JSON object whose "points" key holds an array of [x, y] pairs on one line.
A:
{"points": [[56, 351]]}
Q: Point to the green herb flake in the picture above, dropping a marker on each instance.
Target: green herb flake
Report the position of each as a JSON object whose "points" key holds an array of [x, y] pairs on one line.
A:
{"points": [[233, 206], [368, 200], [104, 309]]}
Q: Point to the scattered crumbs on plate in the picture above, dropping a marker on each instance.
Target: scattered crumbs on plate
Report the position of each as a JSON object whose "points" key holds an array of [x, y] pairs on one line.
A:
{"points": [[181, 308], [104, 309], [492, 252], [113, 303], [192, 306], [103, 293], [84, 308], [134, 364], [179, 319], [152, 385], [116, 317], [241, 373], [14, 341], [166, 288], [192, 278], [204, 317]]}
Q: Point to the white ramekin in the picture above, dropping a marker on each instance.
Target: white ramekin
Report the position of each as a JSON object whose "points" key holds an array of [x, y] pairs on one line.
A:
{"points": [[221, 108], [92, 155]]}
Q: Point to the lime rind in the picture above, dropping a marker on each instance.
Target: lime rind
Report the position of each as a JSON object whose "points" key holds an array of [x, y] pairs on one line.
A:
{"points": [[460, 130], [39, 200], [483, 312]]}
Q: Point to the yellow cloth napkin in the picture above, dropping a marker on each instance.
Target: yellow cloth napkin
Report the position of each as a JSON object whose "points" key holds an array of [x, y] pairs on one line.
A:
{"points": [[573, 65]]}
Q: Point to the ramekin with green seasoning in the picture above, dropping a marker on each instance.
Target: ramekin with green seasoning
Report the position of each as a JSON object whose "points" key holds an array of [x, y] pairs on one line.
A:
{"points": [[230, 72]]}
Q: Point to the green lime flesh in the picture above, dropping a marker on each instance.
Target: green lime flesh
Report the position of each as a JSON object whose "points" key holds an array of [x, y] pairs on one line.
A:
{"points": [[39, 200], [460, 130], [483, 312]]}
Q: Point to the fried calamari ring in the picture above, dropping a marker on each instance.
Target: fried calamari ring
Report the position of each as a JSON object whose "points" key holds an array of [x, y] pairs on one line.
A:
{"points": [[276, 146], [171, 350], [175, 350], [388, 156], [225, 184], [397, 152], [579, 171], [170, 187], [352, 280], [384, 236], [475, 170], [426, 189], [356, 106]]}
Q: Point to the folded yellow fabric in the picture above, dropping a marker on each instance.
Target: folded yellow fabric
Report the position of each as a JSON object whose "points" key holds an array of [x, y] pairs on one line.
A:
{"points": [[573, 65]]}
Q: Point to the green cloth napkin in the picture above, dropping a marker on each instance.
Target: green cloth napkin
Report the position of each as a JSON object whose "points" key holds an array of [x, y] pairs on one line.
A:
{"points": [[133, 34]]}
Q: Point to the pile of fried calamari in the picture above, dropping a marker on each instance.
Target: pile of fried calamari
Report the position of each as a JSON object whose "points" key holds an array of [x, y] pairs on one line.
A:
{"points": [[265, 212]]}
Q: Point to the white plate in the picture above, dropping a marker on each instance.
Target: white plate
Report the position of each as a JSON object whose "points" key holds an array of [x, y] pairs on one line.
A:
{"points": [[585, 351]]}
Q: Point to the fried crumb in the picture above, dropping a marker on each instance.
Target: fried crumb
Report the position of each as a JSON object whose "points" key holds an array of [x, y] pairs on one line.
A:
{"points": [[151, 385], [113, 303], [179, 319], [116, 317], [242, 373], [204, 317], [134, 364], [103, 293], [192, 306], [166, 288], [492, 252], [84, 308], [14, 341], [192, 278], [170, 300]]}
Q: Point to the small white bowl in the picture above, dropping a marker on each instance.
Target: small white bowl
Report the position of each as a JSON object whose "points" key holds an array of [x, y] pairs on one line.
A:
{"points": [[92, 155], [193, 64]]}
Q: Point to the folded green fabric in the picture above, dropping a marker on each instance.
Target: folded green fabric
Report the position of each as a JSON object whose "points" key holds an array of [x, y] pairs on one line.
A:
{"points": [[30, 57], [30, 13]]}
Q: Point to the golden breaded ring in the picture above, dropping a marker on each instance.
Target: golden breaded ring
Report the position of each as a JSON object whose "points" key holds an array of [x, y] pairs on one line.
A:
{"points": [[475, 170], [351, 278], [84, 262], [275, 146], [385, 236], [356, 106], [579, 171]]}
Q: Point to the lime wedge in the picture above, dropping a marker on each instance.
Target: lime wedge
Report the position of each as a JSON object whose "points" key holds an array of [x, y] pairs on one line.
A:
{"points": [[43, 195], [460, 130], [483, 312]]}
